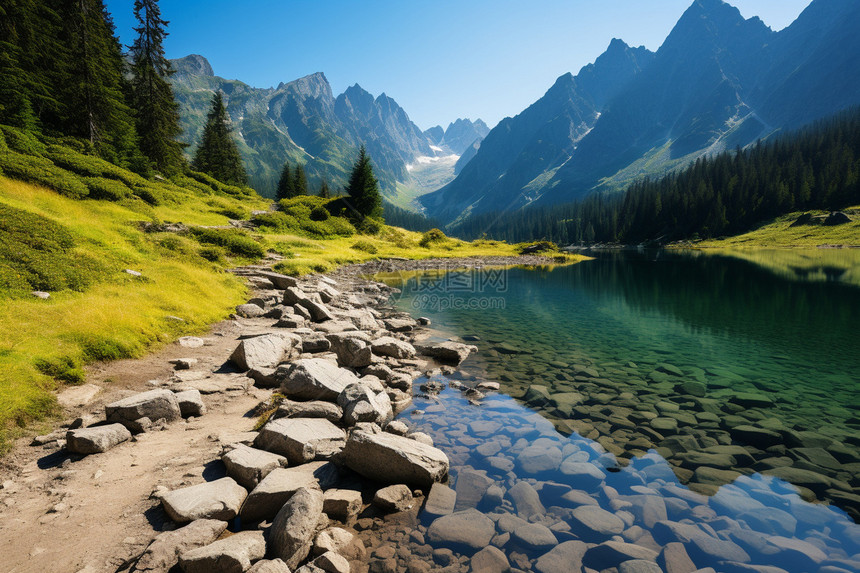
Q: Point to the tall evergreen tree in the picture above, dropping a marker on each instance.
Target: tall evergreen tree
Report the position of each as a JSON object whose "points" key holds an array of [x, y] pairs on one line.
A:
{"points": [[325, 192], [152, 96], [363, 187], [218, 154], [285, 184], [300, 185]]}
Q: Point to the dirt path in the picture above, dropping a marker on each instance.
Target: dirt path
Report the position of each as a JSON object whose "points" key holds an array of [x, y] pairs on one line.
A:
{"points": [[60, 513]]}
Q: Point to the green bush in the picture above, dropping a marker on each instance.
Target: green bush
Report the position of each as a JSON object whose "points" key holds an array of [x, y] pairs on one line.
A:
{"points": [[536, 247], [3, 147], [236, 242], [150, 192], [22, 141], [365, 246], [276, 221], [40, 171], [38, 254], [64, 368], [319, 214], [107, 189], [212, 253], [234, 212], [432, 237], [102, 348]]}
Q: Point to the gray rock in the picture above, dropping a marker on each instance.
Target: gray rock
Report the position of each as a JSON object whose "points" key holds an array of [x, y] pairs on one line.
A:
{"points": [[471, 487], [163, 553], [526, 500], [468, 530], [639, 566], [301, 440], [331, 562], [280, 485], [750, 400], [390, 346], [447, 352], [802, 553], [314, 379], [352, 348], [155, 405], [250, 310], [342, 504], [266, 351], [440, 501], [674, 559], [540, 457], [564, 558], [97, 439], [614, 553], [313, 409], [394, 498], [318, 311], [294, 528], [278, 280], [361, 404], [315, 343], [753, 436], [534, 537], [594, 523], [394, 459], [340, 541], [233, 554], [248, 466], [400, 324], [219, 499], [269, 566], [490, 560], [190, 403]]}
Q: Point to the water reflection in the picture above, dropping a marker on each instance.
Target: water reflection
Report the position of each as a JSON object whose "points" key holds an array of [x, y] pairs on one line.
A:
{"points": [[554, 505]]}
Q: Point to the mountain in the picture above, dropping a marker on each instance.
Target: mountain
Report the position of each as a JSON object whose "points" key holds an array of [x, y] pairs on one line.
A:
{"points": [[459, 137], [303, 122], [503, 172], [718, 81]]}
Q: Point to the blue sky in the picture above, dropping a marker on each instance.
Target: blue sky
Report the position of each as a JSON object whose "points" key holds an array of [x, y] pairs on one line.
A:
{"points": [[440, 59]]}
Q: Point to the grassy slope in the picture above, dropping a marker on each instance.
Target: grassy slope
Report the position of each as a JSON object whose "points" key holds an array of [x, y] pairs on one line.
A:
{"points": [[779, 233]]}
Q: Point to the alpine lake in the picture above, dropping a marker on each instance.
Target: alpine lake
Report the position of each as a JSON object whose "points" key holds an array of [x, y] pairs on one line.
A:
{"points": [[655, 411]]}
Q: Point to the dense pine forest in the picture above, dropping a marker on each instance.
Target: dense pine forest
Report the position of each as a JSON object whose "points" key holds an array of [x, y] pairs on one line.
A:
{"points": [[815, 168]]}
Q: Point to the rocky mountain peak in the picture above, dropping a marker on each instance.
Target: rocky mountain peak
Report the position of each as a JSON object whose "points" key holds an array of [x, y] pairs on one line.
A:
{"points": [[193, 65]]}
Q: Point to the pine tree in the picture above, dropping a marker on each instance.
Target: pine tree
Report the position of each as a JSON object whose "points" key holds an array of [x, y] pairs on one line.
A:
{"points": [[218, 154], [325, 192], [300, 184], [152, 96], [363, 187], [285, 184]]}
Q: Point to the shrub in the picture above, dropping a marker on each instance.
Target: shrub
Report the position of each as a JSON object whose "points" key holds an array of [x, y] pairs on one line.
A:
{"points": [[64, 368], [3, 147], [107, 189], [432, 237], [102, 348], [536, 247], [22, 141], [40, 171], [236, 242], [369, 226], [319, 214], [212, 253], [234, 212], [366, 247], [276, 221]]}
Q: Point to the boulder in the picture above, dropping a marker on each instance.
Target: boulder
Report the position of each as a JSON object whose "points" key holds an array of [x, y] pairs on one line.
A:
{"points": [[219, 499], [526, 500], [361, 404], [490, 560], [352, 348], [269, 566], [233, 554], [278, 280], [639, 566], [614, 553], [163, 553], [315, 343], [390, 346], [318, 311], [394, 498], [248, 466], [293, 295], [564, 558], [759, 437], [190, 403], [395, 459], [674, 559], [281, 484], [261, 352], [314, 379], [447, 352], [468, 530], [301, 440], [294, 528], [471, 487], [593, 523], [534, 537], [313, 409], [836, 218], [331, 562], [440, 501], [97, 439], [155, 405], [342, 504], [341, 542], [250, 311]]}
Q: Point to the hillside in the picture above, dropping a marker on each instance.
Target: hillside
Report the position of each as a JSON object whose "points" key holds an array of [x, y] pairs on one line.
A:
{"points": [[127, 263]]}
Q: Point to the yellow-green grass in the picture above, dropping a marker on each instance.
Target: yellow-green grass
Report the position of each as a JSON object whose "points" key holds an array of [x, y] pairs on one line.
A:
{"points": [[779, 233], [120, 315]]}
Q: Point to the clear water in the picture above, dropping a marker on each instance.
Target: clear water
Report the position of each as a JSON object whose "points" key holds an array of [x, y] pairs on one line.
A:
{"points": [[781, 326]]}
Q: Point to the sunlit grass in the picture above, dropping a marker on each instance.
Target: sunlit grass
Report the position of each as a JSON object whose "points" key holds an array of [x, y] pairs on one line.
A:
{"points": [[779, 233]]}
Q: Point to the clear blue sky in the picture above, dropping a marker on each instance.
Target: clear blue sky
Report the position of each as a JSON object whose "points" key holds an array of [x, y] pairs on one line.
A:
{"points": [[440, 59]]}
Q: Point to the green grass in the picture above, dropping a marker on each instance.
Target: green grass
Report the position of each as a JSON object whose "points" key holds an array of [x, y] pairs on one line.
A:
{"points": [[779, 233]]}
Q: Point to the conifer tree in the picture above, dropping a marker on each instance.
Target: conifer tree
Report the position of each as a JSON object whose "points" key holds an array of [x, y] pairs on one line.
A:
{"points": [[285, 184], [218, 154], [325, 192], [152, 96], [363, 187], [300, 184]]}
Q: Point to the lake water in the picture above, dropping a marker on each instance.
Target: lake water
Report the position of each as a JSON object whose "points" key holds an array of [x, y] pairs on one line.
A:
{"points": [[656, 400]]}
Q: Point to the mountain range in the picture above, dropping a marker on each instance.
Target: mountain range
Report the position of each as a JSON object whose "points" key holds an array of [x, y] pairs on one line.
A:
{"points": [[719, 81], [303, 122]]}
